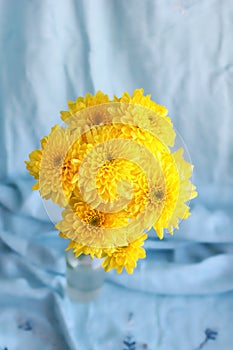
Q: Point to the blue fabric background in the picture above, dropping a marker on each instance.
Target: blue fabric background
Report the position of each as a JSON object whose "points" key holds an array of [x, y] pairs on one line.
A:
{"points": [[180, 52]]}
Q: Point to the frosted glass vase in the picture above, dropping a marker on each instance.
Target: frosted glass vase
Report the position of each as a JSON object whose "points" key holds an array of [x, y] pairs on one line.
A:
{"points": [[84, 277]]}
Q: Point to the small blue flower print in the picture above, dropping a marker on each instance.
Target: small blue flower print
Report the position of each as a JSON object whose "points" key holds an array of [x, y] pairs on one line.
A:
{"points": [[25, 326], [129, 340], [210, 334], [129, 343]]}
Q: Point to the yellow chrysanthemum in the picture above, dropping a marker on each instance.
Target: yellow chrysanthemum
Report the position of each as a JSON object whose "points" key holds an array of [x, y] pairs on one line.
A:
{"points": [[91, 227], [138, 98], [179, 190], [57, 168], [105, 174], [116, 258], [79, 249], [33, 165], [83, 103], [187, 190], [145, 120], [125, 257]]}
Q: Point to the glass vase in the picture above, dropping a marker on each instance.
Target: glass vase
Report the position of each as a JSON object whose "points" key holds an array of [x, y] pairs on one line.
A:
{"points": [[84, 277]]}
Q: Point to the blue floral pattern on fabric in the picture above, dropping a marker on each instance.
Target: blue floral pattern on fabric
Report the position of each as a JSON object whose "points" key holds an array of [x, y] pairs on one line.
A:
{"points": [[26, 326], [210, 334], [129, 342]]}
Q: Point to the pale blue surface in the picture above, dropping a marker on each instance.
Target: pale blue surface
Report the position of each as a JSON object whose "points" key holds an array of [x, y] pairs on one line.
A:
{"points": [[182, 53]]}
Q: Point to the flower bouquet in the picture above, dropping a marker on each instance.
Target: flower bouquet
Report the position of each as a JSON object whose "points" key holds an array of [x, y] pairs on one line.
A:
{"points": [[112, 169]]}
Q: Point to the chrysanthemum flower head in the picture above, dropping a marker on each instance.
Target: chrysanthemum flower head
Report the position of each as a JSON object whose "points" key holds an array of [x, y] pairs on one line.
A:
{"points": [[83, 103], [125, 257]]}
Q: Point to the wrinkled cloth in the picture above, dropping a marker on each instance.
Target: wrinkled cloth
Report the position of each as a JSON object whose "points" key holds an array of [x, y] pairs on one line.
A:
{"points": [[181, 296]]}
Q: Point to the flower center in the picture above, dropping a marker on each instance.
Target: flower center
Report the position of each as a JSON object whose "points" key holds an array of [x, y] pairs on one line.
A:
{"points": [[57, 161], [109, 157], [98, 118], [94, 221], [158, 194]]}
